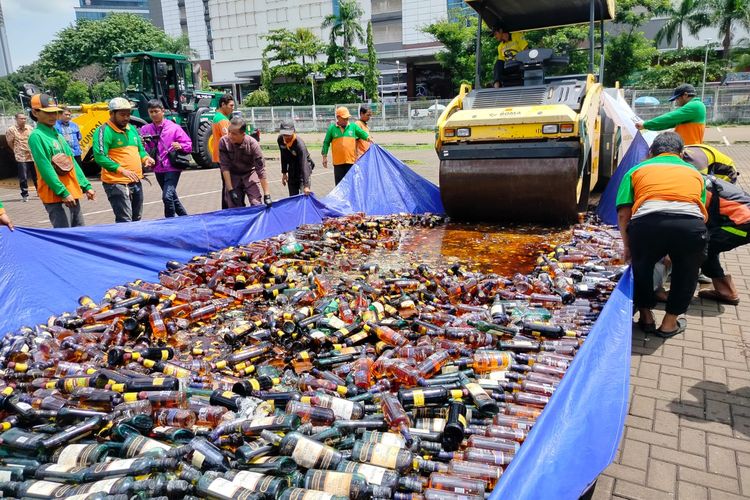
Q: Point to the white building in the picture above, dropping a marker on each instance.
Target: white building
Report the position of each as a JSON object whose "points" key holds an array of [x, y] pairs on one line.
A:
{"points": [[228, 34]]}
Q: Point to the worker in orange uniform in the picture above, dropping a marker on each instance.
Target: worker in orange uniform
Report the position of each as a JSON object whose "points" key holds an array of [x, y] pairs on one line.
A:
{"points": [[220, 128], [688, 120], [365, 113], [341, 139]]}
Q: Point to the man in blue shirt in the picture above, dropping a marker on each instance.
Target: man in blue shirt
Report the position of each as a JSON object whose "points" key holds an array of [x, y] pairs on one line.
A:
{"points": [[70, 131]]}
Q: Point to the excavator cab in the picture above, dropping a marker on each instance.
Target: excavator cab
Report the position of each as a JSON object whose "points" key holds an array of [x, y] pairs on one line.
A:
{"points": [[529, 151]]}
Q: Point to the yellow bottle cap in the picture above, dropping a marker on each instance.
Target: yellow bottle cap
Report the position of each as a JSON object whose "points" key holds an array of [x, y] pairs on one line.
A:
{"points": [[129, 397]]}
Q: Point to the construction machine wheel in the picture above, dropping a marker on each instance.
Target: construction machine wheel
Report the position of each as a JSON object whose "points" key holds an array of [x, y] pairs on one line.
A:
{"points": [[508, 190], [201, 153]]}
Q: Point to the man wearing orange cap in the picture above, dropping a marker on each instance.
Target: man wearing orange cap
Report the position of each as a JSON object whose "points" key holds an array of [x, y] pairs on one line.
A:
{"points": [[61, 182], [341, 138]]}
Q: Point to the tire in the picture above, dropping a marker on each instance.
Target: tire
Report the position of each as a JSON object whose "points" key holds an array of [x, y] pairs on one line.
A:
{"points": [[202, 155]]}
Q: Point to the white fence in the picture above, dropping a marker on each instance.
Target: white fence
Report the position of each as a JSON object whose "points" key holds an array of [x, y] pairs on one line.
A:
{"points": [[724, 104], [416, 115]]}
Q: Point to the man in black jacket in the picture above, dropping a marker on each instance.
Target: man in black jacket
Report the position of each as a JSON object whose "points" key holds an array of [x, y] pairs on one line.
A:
{"points": [[296, 164]]}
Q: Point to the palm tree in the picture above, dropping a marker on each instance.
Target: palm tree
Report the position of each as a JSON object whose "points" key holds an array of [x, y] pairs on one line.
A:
{"points": [[306, 45], [727, 14], [690, 13], [347, 26]]}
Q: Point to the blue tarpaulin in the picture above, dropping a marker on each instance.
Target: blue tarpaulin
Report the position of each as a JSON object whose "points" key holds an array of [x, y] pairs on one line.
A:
{"points": [[44, 271], [380, 184], [636, 153]]}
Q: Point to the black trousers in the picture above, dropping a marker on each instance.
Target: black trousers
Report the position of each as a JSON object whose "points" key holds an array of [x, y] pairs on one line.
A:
{"points": [[720, 240], [652, 237], [294, 183], [340, 171], [26, 171]]}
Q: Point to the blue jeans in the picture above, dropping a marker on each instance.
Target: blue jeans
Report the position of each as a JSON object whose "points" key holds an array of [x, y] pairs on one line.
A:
{"points": [[26, 171], [126, 200], [168, 183]]}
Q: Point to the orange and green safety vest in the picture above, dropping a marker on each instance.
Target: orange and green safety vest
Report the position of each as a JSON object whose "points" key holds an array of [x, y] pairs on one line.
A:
{"points": [[115, 148], [689, 121], [343, 142], [44, 143]]}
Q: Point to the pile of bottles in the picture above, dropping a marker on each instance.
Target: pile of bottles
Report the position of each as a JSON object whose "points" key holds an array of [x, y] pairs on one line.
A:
{"points": [[296, 368]]}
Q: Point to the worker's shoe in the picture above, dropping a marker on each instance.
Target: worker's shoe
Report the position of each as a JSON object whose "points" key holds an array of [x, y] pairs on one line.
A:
{"points": [[724, 291]]}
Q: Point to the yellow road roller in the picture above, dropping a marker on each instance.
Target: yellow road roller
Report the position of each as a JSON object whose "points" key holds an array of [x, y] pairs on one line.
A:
{"points": [[530, 151]]}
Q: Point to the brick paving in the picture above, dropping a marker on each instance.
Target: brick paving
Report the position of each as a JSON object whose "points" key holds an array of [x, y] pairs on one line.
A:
{"points": [[687, 435]]}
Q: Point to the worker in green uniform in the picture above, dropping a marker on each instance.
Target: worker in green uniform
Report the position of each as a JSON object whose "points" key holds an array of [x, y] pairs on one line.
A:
{"points": [[688, 120], [341, 138]]}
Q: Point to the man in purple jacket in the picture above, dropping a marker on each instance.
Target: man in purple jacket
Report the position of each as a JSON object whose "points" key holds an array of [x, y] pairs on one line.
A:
{"points": [[160, 137]]}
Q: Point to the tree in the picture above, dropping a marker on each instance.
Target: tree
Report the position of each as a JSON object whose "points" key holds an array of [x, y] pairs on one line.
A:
{"points": [[90, 74], [566, 40], [257, 98], [348, 27], [689, 13], [290, 57], [105, 90], [87, 42], [371, 73], [57, 83], [626, 54], [727, 15], [458, 36], [672, 75], [77, 94]]}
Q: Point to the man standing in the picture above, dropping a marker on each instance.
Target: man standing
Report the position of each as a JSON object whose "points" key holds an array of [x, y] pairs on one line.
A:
{"points": [[71, 132], [220, 128], [18, 141], [688, 120], [242, 167], [118, 149], [341, 138], [61, 181], [166, 136], [365, 113], [296, 164]]}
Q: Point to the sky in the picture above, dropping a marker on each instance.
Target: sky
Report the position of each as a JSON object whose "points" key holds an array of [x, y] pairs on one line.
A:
{"points": [[31, 24]]}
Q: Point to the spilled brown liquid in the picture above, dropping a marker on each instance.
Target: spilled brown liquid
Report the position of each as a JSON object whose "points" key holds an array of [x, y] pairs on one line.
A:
{"points": [[503, 250]]}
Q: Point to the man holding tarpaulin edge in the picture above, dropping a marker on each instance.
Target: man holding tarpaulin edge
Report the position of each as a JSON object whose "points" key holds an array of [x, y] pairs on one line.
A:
{"points": [[242, 167], [61, 182], [688, 120]]}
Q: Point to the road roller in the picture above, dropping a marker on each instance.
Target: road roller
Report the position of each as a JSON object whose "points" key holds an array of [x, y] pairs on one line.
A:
{"points": [[532, 150]]}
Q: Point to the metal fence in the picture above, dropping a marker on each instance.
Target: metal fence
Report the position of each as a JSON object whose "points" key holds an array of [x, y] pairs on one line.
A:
{"points": [[724, 104], [416, 115]]}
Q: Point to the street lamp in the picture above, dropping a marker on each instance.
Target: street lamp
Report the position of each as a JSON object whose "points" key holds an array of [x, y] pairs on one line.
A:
{"points": [[398, 88], [705, 65]]}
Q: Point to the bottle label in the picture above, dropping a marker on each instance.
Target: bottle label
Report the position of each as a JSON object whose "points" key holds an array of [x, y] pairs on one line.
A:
{"points": [[418, 397], [43, 488], [104, 486], [300, 494], [342, 408], [5, 475], [431, 424], [264, 422], [116, 465], [307, 452], [384, 455], [75, 454], [223, 488], [392, 439], [336, 483], [141, 445], [248, 479], [62, 468], [373, 474], [198, 459]]}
